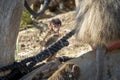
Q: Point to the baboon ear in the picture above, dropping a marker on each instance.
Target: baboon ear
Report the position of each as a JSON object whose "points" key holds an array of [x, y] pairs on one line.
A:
{"points": [[40, 12]]}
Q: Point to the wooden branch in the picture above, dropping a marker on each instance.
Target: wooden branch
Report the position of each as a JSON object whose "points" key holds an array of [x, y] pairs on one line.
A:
{"points": [[43, 72]]}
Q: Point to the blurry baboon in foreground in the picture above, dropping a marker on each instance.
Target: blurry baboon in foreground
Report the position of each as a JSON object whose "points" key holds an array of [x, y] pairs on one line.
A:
{"points": [[98, 21], [68, 71]]}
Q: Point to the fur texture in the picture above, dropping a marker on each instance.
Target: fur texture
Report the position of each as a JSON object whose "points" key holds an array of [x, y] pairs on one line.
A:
{"points": [[98, 21]]}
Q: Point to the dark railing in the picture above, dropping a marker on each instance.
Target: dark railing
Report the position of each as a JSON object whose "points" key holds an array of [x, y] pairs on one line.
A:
{"points": [[25, 66]]}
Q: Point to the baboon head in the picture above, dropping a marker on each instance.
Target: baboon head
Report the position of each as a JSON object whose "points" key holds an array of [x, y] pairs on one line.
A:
{"points": [[98, 21]]}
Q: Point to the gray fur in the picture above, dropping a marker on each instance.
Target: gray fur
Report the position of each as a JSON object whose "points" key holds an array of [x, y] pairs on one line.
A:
{"points": [[98, 21]]}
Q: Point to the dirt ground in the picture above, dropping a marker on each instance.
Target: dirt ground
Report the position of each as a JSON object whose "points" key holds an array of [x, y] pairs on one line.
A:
{"points": [[29, 39]]}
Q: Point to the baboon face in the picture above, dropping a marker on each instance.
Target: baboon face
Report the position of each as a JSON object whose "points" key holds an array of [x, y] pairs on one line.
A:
{"points": [[98, 21]]}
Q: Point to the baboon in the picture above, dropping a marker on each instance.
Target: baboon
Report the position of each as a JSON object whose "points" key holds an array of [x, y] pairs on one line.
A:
{"points": [[52, 35], [68, 71], [55, 4], [98, 23], [52, 5]]}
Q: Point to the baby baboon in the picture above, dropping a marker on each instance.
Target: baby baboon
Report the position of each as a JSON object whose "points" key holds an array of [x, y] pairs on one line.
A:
{"points": [[68, 71], [52, 35]]}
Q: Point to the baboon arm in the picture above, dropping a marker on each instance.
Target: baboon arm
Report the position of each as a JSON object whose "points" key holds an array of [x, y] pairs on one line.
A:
{"points": [[43, 41], [87, 64]]}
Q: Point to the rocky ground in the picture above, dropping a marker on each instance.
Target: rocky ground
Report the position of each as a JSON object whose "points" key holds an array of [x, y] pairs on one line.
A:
{"points": [[29, 39]]}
